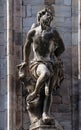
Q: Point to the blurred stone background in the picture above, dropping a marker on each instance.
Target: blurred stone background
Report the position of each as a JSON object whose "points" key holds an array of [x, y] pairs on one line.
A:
{"points": [[66, 105]]}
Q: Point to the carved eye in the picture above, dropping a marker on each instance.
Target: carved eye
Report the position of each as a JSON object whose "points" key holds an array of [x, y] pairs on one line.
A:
{"points": [[48, 14], [43, 12]]}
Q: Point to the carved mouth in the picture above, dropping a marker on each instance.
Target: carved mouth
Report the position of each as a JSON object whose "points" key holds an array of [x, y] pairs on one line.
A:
{"points": [[47, 21]]}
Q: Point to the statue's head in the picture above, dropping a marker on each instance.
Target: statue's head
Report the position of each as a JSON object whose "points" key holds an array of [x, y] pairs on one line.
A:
{"points": [[44, 17]]}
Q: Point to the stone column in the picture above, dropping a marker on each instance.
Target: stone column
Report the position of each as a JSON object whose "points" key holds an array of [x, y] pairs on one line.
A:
{"points": [[14, 56], [3, 66], [17, 43], [10, 69], [75, 64], [79, 58]]}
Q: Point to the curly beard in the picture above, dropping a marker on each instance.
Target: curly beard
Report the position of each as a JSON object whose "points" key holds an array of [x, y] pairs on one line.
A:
{"points": [[45, 23]]}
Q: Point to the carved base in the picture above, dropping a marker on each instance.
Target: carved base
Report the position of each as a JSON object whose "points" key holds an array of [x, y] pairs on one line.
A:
{"points": [[44, 127], [40, 126]]}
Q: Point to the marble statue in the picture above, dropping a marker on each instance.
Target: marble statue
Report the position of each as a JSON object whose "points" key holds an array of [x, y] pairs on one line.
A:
{"points": [[44, 72]]}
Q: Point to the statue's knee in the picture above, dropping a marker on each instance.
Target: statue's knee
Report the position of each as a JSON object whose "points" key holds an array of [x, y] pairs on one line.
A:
{"points": [[46, 74]]}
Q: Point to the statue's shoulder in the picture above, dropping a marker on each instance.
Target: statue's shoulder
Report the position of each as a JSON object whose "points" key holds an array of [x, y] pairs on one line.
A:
{"points": [[33, 30], [31, 33], [54, 30], [34, 25]]}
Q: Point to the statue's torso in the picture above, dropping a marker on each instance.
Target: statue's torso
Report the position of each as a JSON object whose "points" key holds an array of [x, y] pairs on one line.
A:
{"points": [[43, 43]]}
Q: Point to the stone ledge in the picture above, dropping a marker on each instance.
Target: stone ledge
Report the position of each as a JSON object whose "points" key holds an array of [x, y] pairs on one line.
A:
{"points": [[43, 127], [40, 126]]}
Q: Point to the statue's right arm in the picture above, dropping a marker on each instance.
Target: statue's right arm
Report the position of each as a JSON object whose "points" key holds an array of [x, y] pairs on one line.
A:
{"points": [[27, 45], [60, 44]]}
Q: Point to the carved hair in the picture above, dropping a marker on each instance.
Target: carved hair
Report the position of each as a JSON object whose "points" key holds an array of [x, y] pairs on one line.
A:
{"points": [[42, 12]]}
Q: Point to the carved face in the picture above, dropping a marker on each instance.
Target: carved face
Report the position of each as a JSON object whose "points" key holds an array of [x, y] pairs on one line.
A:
{"points": [[45, 19]]}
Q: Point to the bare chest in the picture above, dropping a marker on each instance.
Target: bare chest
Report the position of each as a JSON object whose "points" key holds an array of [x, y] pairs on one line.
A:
{"points": [[44, 37], [43, 42]]}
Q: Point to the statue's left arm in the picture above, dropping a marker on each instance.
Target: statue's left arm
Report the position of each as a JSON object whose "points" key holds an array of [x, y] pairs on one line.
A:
{"points": [[59, 43]]}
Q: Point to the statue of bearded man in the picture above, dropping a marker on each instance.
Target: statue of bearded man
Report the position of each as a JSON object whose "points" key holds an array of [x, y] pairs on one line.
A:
{"points": [[46, 65]]}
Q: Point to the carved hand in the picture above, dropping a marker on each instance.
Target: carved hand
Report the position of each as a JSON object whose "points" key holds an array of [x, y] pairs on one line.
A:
{"points": [[23, 69]]}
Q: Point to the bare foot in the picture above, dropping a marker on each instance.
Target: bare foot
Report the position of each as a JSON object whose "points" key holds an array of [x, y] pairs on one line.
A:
{"points": [[31, 96], [46, 118]]}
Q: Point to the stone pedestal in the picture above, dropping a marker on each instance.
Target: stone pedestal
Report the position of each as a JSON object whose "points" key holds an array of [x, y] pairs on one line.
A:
{"points": [[40, 126], [44, 127]]}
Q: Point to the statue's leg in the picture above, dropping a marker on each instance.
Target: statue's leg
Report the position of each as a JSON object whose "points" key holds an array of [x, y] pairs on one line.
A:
{"points": [[43, 74], [47, 102]]}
